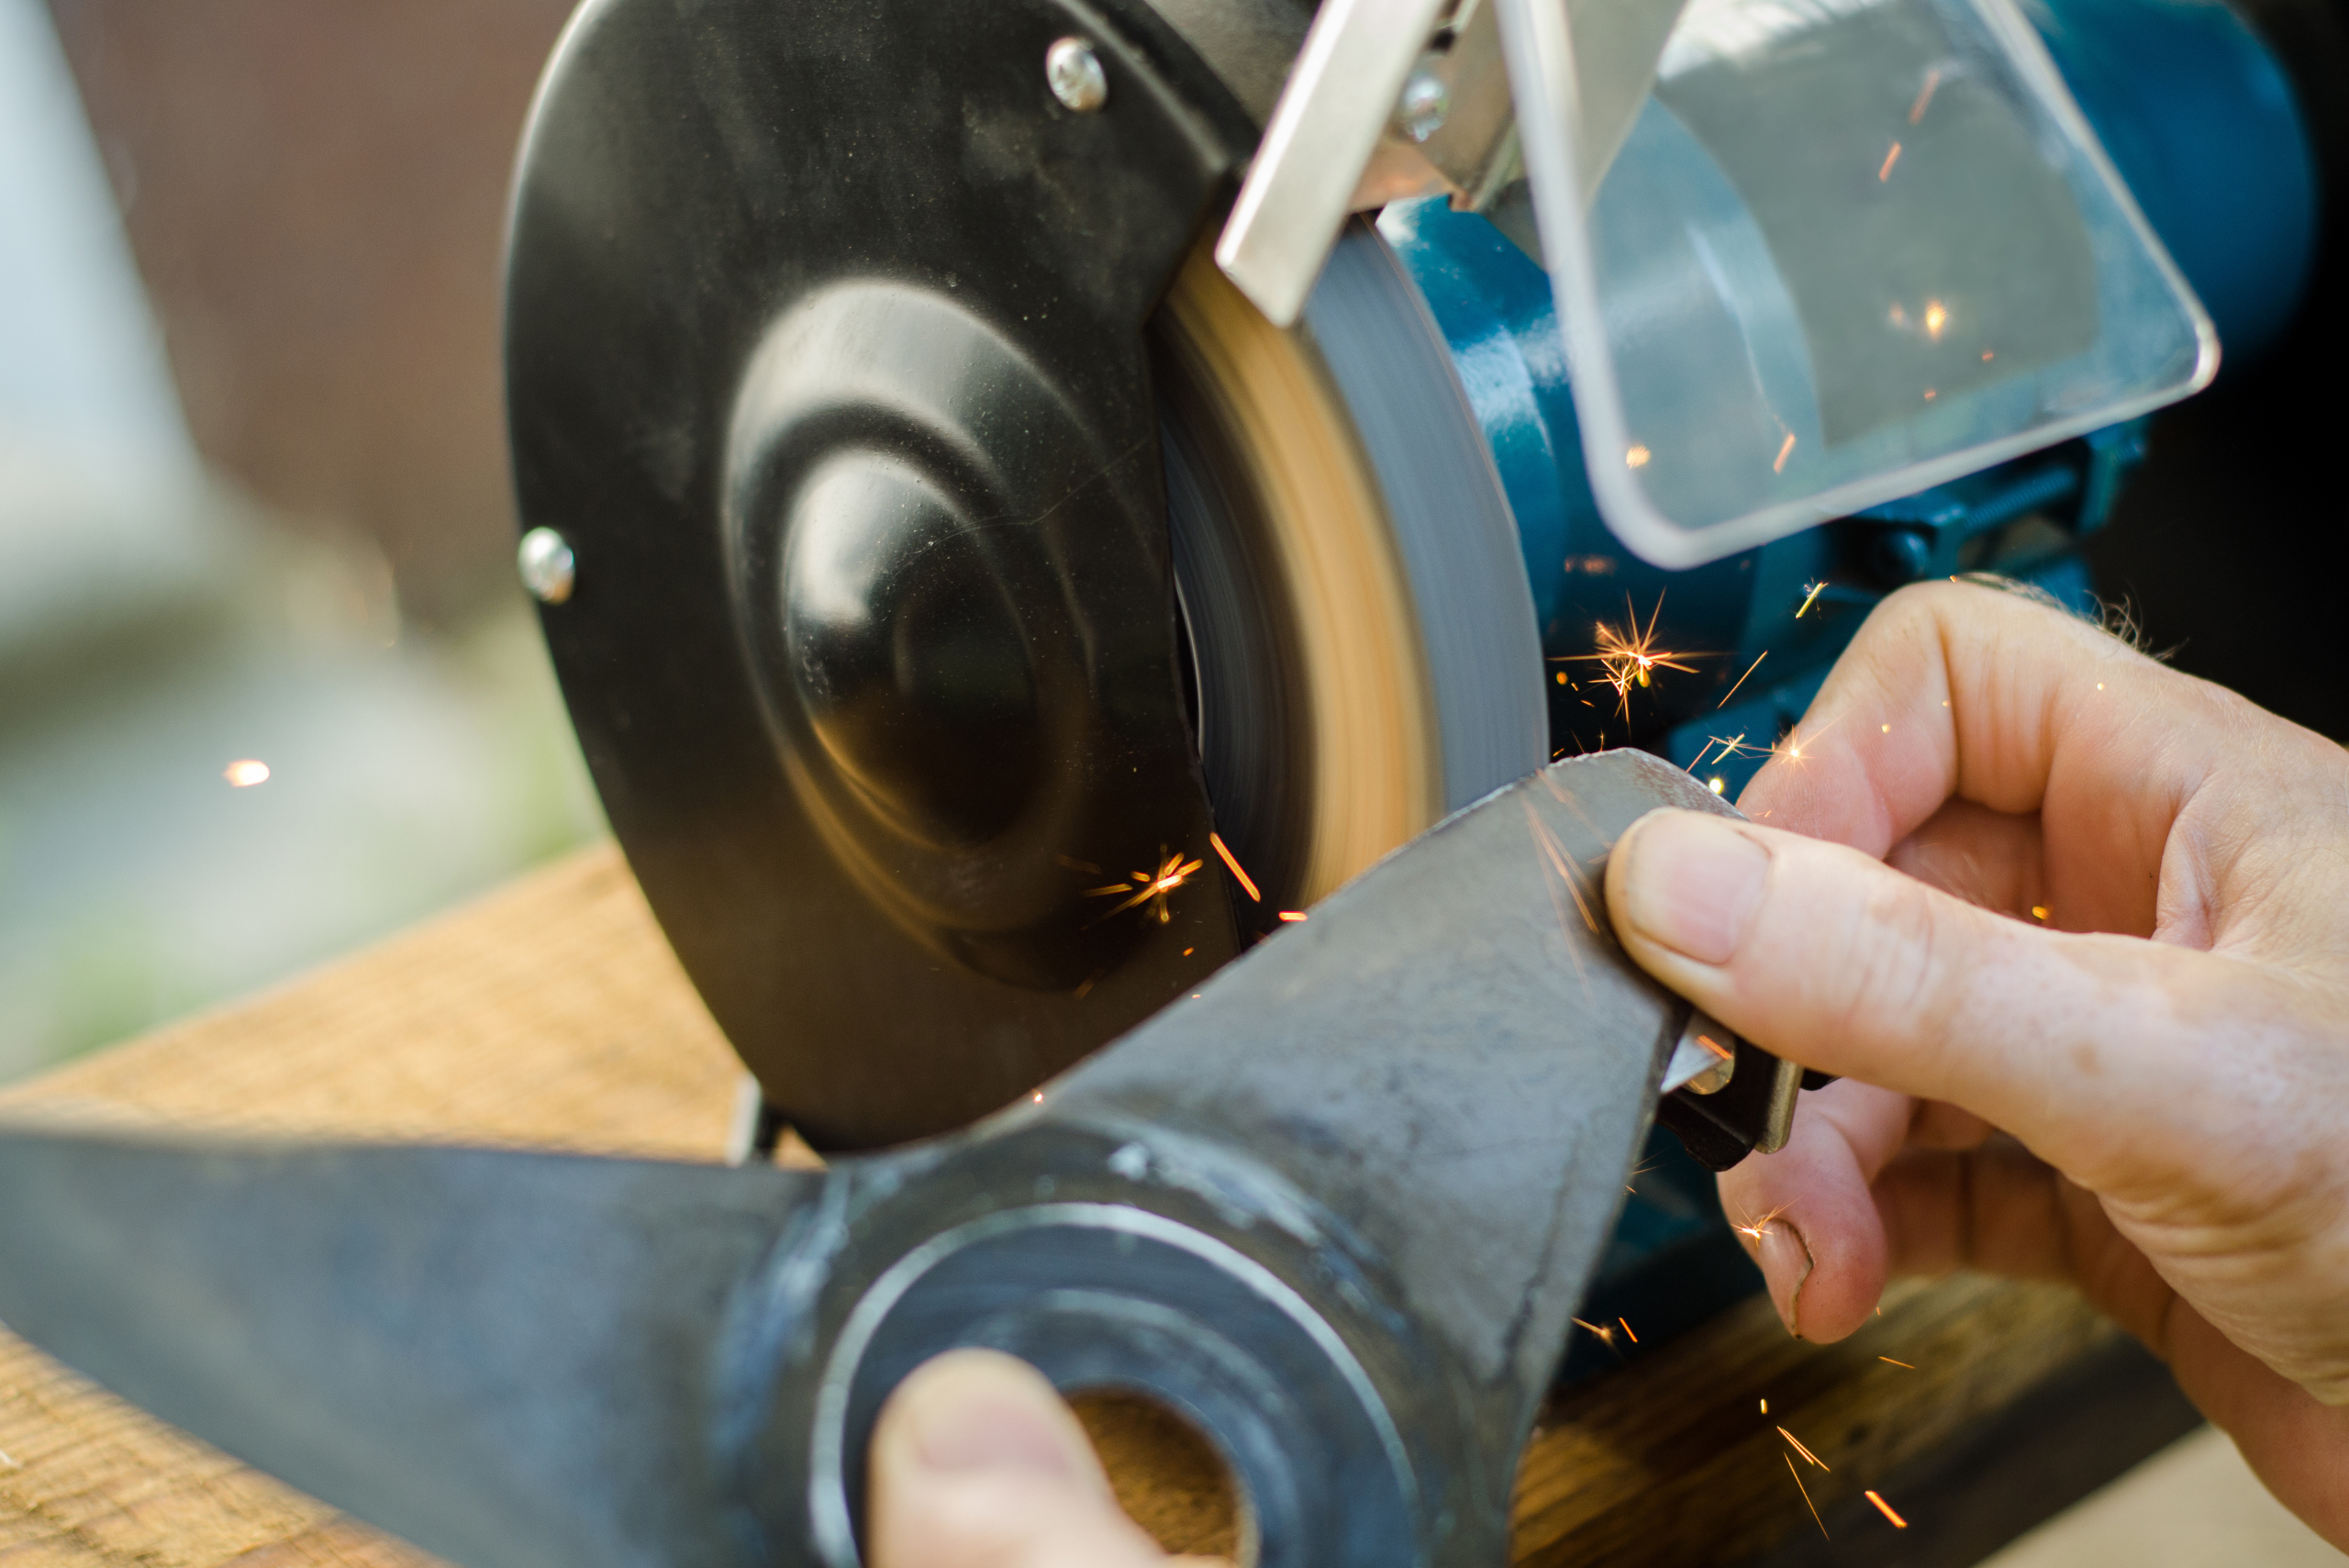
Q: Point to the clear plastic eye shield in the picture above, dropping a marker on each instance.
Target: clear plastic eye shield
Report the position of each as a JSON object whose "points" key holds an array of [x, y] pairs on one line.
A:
{"points": [[1809, 255]]}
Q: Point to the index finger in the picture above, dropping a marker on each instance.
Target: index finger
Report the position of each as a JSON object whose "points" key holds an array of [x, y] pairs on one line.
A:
{"points": [[1954, 690]]}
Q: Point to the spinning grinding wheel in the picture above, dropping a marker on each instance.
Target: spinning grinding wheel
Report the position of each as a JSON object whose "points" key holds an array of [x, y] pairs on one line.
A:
{"points": [[875, 649]]}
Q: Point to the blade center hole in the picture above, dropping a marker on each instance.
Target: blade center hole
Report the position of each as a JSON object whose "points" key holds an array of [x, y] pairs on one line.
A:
{"points": [[1168, 1476]]}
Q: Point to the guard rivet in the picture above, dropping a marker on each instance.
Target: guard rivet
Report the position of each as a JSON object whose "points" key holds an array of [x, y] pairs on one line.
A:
{"points": [[547, 565], [1075, 75]]}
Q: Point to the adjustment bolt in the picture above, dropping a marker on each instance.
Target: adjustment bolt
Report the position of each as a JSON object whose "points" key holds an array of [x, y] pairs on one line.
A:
{"points": [[1075, 72], [547, 565], [1426, 102]]}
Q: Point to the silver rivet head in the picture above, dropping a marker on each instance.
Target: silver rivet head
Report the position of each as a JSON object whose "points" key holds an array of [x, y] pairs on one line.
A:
{"points": [[1425, 104], [548, 567], [1075, 74]]}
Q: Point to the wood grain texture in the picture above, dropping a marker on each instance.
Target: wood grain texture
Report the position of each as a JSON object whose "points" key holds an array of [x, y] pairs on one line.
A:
{"points": [[1674, 1462], [551, 1015]]}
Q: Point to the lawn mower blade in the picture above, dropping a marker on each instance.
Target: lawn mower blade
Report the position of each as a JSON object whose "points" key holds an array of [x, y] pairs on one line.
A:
{"points": [[1335, 1209], [502, 1356]]}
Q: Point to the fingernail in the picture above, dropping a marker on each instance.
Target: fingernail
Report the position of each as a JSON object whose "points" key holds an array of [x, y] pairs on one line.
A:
{"points": [[1786, 1263], [1691, 883], [960, 1427]]}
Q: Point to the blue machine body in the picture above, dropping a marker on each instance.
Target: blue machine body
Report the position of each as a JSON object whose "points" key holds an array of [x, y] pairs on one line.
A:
{"points": [[2202, 124]]}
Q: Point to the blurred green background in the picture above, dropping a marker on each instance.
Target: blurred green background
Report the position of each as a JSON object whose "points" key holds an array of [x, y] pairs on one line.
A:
{"points": [[254, 501]]}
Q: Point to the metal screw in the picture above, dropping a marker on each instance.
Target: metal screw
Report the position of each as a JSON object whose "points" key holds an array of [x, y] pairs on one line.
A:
{"points": [[1075, 74], [1420, 112], [548, 567]]}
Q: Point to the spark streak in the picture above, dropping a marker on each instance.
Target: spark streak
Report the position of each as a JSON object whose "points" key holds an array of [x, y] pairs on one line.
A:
{"points": [[1925, 95], [1784, 448], [1740, 679], [1800, 1449], [1232, 861], [1815, 588], [1806, 1497], [1895, 1363], [1144, 887], [1885, 1510], [1890, 157], [245, 772]]}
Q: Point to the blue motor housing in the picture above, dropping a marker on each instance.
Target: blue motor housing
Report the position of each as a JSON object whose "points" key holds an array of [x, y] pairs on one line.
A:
{"points": [[2201, 121]]}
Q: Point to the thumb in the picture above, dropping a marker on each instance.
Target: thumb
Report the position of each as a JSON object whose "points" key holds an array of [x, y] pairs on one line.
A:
{"points": [[1827, 956], [978, 1463]]}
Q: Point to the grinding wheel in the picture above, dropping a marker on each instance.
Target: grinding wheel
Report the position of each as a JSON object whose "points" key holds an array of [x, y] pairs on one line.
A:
{"points": [[850, 399], [1363, 653]]}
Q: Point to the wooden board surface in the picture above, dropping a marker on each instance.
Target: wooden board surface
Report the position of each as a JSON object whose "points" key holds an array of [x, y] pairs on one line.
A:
{"points": [[551, 1015]]}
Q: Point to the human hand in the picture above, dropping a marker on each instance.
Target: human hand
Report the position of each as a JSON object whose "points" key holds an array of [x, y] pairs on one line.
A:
{"points": [[976, 1463], [2148, 1097]]}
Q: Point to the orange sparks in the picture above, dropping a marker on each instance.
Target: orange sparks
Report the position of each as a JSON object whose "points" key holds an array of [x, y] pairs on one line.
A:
{"points": [[1606, 1336], [1637, 457], [1936, 317], [1232, 861], [1987, 356], [245, 772], [1784, 448], [1806, 1498], [1895, 1363], [1800, 1449], [1038, 1097], [1889, 160], [2039, 912], [1293, 916], [1144, 889], [1761, 1225], [1924, 95], [1812, 597], [1730, 747], [1885, 1510], [1740, 679], [1626, 659], [1766, 1406], [1627, 1330]]}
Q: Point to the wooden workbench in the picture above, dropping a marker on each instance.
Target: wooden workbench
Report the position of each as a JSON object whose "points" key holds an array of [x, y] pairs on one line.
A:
{"points": [[551, 1015]]}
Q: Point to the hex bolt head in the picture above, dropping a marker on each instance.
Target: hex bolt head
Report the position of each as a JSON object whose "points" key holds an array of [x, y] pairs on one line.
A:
{"points": [[547, 565], [1075, 75], [1425, 104]]}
